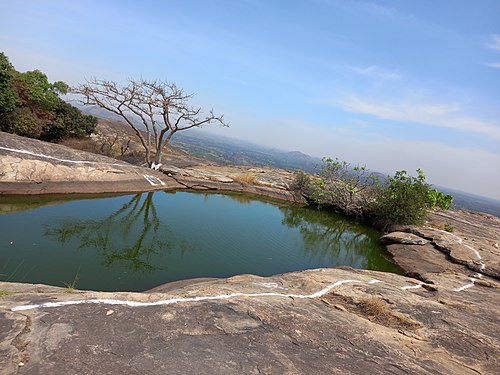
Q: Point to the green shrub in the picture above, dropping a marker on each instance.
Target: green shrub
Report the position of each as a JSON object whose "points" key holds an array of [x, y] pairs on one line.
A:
{"points": [[437, 198], [347, 189], [301, 183], [402, 199], [22, 121]]}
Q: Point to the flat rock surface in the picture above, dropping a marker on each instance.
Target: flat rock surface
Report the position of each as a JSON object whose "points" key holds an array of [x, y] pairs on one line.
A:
{"points": [[403, 238], [322, 321]]}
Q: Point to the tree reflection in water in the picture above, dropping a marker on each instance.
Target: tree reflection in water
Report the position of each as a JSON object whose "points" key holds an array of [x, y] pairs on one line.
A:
{"points": [[342, 240], [129, 236]]}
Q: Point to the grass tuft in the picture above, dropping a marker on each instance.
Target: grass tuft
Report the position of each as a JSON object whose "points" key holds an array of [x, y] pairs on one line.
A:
{"points": [[5, 293], [71, 286], [247, 178], [379, 312]]}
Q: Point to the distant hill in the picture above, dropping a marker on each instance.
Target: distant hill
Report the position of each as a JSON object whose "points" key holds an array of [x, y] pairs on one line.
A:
{"points": [[231, 151], [226, 150]]}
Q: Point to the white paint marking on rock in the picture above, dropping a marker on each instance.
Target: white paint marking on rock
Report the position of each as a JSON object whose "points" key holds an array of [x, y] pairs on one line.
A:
{"points": [[26, 152], [156, 167], [466, 286], [478, 256], [171, 301], [269, 285], [153, 180], [411, 286]]}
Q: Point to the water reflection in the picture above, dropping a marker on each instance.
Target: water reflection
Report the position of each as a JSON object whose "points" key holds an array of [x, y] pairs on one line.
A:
{"points": [[136, 242], [129, 236], [342, 240]]}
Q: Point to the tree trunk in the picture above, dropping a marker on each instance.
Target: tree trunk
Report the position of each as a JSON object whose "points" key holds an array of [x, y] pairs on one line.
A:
{"points": [[148, 156]]}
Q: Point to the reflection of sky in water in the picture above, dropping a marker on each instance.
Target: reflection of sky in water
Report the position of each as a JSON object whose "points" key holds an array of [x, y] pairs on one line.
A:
{"points": [[136, 242]]}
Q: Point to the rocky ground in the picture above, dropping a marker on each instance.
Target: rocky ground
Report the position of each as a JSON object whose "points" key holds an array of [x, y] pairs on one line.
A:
{"points": [[34, 167], [444, 319]]}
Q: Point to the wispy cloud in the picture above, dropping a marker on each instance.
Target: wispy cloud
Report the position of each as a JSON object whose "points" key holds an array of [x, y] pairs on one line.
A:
{"points": [[493, 42], [377, 72], [495, 65], [441, 115]]}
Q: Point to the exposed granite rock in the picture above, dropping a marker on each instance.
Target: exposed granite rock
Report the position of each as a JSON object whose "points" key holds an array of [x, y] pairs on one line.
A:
{"points": [[472, 242], [311, 322], [403, 238], [29, 166], [269, 182], [34, 167]]}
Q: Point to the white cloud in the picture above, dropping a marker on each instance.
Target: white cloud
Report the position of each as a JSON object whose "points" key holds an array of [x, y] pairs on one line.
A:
{"points": [[441, 115], [495, 65], [377, 72], [493, 42]]}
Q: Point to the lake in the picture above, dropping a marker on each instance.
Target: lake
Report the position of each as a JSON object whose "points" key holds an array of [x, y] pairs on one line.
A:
{"points": [[136, 242]]}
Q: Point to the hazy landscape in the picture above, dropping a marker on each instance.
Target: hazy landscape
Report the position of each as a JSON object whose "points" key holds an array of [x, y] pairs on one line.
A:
{"points": [[231, 151], [249, 187]]}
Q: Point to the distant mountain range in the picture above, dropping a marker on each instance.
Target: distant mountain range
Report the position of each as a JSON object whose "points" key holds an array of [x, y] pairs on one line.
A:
{"points": [[231, 151], [226, 150]]}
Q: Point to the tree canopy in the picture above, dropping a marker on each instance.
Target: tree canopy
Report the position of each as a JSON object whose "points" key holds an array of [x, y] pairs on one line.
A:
{"points": [[30, 106], [155, 110]]}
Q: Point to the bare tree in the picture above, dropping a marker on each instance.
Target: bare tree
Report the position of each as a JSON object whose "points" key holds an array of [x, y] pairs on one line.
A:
{"points": [[160, 108]]}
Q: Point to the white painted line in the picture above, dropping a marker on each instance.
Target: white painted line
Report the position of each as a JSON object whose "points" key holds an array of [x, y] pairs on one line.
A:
{"points": [[466, 286], [478, 256], [26, 152], [318, 294], [153, 180], [411, 286], [269, 285]]}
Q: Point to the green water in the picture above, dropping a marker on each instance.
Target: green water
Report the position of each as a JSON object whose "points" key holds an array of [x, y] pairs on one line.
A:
{"points": [[136, 242]]}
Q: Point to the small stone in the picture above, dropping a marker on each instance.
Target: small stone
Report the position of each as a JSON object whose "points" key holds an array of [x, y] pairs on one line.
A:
{"points": [[109, 312], [20, 364]]}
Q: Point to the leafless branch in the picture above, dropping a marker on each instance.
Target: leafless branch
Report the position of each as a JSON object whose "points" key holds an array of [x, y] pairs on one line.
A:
{"points": [[157, 108]]}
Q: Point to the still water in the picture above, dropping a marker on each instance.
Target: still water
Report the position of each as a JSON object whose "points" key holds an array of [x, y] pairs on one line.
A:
{"points": [[136, 242]]}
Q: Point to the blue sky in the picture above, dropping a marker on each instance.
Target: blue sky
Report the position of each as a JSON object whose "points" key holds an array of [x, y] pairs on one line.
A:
{"points": [[390, 84]]}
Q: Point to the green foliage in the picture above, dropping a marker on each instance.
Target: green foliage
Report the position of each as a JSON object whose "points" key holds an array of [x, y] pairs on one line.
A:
{"points": [[301, 183], [23, 121], [437, 198], [403, 199], [30, 106], [354, 191], [35, 90], [449, 228], [69, 122], [345, 188], [8, 96]]}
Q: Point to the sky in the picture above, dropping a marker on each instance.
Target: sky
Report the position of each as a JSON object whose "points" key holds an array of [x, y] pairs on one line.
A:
{"points": [[388, 84]]}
